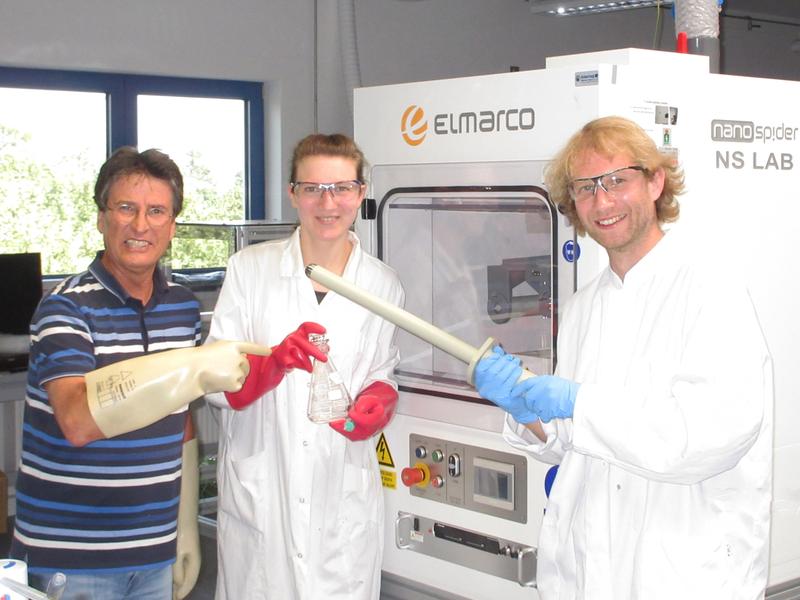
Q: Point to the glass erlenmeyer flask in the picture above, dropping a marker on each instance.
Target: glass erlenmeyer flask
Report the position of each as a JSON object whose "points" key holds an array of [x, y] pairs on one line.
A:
{"points": [[328, 399]]}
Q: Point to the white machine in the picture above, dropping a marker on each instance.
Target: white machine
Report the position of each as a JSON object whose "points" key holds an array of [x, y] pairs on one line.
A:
{"points": [[460, 212]]}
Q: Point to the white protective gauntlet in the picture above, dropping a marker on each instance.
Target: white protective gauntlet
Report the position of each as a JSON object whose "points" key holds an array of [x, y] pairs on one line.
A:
{"points": [[137, 392], [187, 560]]}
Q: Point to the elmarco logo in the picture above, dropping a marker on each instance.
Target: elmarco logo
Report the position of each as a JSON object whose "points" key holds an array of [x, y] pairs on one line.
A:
{"points": [[414, 125], [747, 131]]}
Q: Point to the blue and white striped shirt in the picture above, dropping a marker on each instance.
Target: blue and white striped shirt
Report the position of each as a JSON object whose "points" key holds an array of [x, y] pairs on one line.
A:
{"points": [[111, 505]]}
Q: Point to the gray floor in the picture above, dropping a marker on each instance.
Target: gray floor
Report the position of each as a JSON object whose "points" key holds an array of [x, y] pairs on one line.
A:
{"points": [[204, 590]]}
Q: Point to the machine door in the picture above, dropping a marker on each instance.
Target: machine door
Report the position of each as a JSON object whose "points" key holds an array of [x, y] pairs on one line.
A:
{"points": [[478, 262]]}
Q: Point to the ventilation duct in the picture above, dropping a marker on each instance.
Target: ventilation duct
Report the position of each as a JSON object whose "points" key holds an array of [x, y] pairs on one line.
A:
{"points": [[699, 19], [349, 48]]}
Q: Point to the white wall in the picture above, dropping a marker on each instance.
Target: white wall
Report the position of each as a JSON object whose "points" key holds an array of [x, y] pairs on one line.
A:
{"points": [[269, 41], [273, 41]]}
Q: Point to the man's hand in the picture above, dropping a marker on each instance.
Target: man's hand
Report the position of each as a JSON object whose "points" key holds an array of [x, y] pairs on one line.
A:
{"points": [[133, 393], [266, 372], [495, 378], [371, 412], [548, 396], [223, 365]]}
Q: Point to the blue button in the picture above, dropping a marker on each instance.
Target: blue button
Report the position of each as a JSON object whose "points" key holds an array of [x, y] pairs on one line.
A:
{"points": [[571, 251]]}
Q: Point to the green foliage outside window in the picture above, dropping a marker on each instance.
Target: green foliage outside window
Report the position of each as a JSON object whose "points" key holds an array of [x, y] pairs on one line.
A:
{"points": [[49, 208], [203, 204], [45, 212]]}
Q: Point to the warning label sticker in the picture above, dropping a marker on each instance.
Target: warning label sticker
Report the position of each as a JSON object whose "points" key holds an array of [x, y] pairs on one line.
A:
{"points": [[384, 455], [389, 479]]}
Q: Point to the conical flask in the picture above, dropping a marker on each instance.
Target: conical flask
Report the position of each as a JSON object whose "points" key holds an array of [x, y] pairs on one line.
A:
{"points": [[328, 399]]}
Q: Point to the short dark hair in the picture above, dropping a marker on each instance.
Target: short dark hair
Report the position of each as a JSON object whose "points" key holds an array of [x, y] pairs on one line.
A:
{"points": [[334, 144], [127, 160]]}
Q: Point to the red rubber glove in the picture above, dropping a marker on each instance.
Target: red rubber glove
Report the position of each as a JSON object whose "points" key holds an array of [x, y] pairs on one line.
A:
{"points": [[266, 372], [371, 412]]}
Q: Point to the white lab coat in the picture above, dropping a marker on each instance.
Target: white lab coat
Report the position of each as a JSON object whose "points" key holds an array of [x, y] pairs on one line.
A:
{"points": [[300, 512], [664, 484]]}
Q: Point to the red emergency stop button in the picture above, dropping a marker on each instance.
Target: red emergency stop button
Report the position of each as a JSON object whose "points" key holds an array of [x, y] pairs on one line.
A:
{"points": [[419, 475]]}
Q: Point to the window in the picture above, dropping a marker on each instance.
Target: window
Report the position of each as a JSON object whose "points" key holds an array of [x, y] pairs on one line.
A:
{"points": [[57, 128]]}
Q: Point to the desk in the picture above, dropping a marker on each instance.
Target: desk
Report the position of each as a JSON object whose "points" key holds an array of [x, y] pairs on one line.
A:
{"points": [[12, 405]]}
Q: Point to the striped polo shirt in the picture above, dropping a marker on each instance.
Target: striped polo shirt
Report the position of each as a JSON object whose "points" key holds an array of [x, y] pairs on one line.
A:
{"points": [[111, 505]]}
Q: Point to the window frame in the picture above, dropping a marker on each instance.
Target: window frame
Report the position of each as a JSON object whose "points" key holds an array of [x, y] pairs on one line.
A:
{"points": [[121, 92]]}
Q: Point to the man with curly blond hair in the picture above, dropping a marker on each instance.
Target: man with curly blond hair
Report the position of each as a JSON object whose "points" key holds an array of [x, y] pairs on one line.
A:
{"points": [[660, 425]]}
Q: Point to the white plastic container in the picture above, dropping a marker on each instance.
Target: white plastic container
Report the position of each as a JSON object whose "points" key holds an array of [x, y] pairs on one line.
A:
{"points": [[16, 570]]}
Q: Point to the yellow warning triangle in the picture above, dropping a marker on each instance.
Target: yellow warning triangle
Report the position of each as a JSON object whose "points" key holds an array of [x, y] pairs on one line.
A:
{"points": [[384, 455]]}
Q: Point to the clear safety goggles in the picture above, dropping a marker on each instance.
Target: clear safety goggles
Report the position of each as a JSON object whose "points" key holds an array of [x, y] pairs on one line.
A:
{"points": [[613, 183], [341, 190]]}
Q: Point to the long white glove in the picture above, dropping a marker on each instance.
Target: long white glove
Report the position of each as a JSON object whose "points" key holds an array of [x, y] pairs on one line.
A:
{"points": [[187, 562], [137, 392]]}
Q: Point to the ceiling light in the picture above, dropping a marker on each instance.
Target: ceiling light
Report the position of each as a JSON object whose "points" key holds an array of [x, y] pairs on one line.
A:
{"points": [[567, 8]]}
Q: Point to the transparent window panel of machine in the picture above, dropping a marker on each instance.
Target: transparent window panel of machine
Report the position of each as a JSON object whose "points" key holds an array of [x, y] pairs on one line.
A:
{"points": [[478, 264]]}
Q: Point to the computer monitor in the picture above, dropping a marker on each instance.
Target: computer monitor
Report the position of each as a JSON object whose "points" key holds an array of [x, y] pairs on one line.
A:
{"points": [[21, 276]]}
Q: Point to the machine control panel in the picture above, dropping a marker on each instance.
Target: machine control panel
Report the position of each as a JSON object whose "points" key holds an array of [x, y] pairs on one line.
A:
{"points": [[480, 479]]}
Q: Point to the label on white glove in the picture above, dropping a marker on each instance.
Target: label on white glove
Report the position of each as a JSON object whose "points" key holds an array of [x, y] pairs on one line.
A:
{"points": [[115, 388]]}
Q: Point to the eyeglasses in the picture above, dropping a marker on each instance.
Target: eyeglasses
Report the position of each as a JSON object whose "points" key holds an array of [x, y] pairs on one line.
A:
{"points": [[342, 190], [614, 183], [125, 213]]}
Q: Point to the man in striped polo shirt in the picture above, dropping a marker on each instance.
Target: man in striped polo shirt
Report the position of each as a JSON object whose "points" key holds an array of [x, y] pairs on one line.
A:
{"points": [[100, 495]]}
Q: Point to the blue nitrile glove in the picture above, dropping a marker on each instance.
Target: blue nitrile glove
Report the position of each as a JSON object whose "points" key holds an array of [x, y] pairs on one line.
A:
{"points": [[548, 396], [495, 377]]}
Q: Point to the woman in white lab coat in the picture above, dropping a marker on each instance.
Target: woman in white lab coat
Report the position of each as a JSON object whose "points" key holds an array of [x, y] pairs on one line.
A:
{"points": [[300, 504]]}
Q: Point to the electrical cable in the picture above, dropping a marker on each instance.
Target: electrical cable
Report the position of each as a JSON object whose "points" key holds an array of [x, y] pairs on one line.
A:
{"points": [[657, 31], [316, 66]]}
